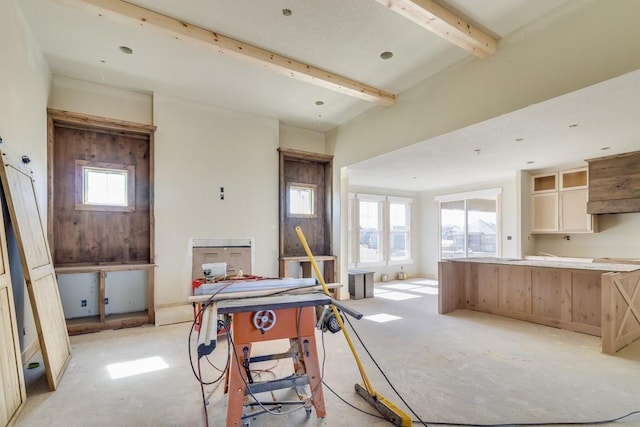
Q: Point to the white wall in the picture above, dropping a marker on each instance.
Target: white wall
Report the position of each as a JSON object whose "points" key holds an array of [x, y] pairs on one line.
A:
{"points": [[24, 87], [553, 57], [100, 100], [198, 149], [429, 249], [618, 238], [301, 139]]}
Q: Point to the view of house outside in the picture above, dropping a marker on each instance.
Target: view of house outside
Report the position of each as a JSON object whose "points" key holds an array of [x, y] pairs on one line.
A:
{"points": [[473, 222]]}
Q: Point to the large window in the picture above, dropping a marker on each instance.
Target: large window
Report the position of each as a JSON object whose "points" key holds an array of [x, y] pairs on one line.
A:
{"points": [[399, 215], [379, 229], [469, 224], [369, 220]]}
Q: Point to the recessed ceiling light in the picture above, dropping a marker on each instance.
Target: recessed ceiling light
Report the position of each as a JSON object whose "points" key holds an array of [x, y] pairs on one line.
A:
{"points": [[386, 55], [530, 162], [319, 102], [574, 125], [605, 148], [519, 139], [286, 12], [126, 49]]}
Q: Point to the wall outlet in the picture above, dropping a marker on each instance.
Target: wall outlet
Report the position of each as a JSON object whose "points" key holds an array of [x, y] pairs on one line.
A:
{"points": [[106, 301], [83, 303]]}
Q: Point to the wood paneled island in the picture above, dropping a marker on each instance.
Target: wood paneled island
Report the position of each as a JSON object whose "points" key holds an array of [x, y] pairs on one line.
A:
{"points": [[592, 298]]}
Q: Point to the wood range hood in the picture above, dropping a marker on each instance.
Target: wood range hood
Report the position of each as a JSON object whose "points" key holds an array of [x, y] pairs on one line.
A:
{"points": [[614, 184]]}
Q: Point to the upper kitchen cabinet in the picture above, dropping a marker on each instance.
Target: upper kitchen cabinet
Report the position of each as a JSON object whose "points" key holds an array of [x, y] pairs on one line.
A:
{"points": [[614, 184], [559, 202]]}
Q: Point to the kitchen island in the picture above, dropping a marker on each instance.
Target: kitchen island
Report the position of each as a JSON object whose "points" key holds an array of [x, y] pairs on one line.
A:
{"points": [[600, 299]]}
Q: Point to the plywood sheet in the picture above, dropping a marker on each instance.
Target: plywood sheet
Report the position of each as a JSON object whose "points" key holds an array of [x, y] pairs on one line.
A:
{"points": [[38, 269], [12, 389]]}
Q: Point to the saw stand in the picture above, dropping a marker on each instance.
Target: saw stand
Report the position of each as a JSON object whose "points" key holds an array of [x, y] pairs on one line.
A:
{"points": [[254, 320]]}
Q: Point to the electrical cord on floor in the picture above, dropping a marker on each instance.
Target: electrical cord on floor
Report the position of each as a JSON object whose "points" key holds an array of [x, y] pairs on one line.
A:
{"points": [[248, 387], [426, 423], [199, 374], [440, 423], [546, 423], [198, 377], [351, 404], [384, 374]]}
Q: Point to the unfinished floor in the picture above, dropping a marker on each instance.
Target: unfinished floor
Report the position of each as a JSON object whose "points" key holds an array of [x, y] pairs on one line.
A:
{"points": [[464, 367]]}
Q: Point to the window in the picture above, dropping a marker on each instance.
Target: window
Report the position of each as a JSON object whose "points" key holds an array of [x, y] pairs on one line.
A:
{"points": [[379, 229], [469, 224], [302, 200], [399, 230], [105, 186], [370, 230]]}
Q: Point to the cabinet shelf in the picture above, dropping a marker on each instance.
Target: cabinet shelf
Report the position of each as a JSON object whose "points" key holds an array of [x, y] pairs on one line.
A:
{"points": [[544, 183], [89, 284], [574, 179]]}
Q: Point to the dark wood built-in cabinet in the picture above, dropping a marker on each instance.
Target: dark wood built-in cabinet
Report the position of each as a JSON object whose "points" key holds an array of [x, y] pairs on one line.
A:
{"points": [[315, 171], [103, 255]]}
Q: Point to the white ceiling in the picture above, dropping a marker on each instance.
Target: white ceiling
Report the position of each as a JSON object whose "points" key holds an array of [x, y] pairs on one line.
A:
{"points": [[345, 38], [606, 116]]}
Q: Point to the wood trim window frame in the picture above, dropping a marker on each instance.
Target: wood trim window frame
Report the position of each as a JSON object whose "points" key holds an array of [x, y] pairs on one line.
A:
{"points": [[314, 201], [80, 186]]}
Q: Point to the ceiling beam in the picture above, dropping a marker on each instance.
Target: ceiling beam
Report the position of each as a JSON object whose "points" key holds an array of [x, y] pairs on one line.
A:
{"points": [[227, 45], [441, 21]]}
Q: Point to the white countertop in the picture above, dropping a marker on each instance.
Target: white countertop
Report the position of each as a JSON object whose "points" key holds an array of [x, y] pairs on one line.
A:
{"points": [[598, 266]]}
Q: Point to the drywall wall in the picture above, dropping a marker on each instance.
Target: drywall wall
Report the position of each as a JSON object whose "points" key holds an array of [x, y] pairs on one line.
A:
{"points": [[198, 150], [301, 139], [553, 57], [618, 238], [24, 87], [428, 221], [100, 100]]}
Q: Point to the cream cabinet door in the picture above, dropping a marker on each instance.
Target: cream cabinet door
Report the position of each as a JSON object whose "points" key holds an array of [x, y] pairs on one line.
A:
{"points": [[573, 211], [544, 212]]}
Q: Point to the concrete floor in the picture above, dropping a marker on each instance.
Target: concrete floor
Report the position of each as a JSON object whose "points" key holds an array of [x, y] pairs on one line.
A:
{"points": [[464, 367]]}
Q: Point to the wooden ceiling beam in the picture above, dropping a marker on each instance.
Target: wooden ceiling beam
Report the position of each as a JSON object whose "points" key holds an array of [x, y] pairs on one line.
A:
{"points": [[227, 45], [441, 21]]}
